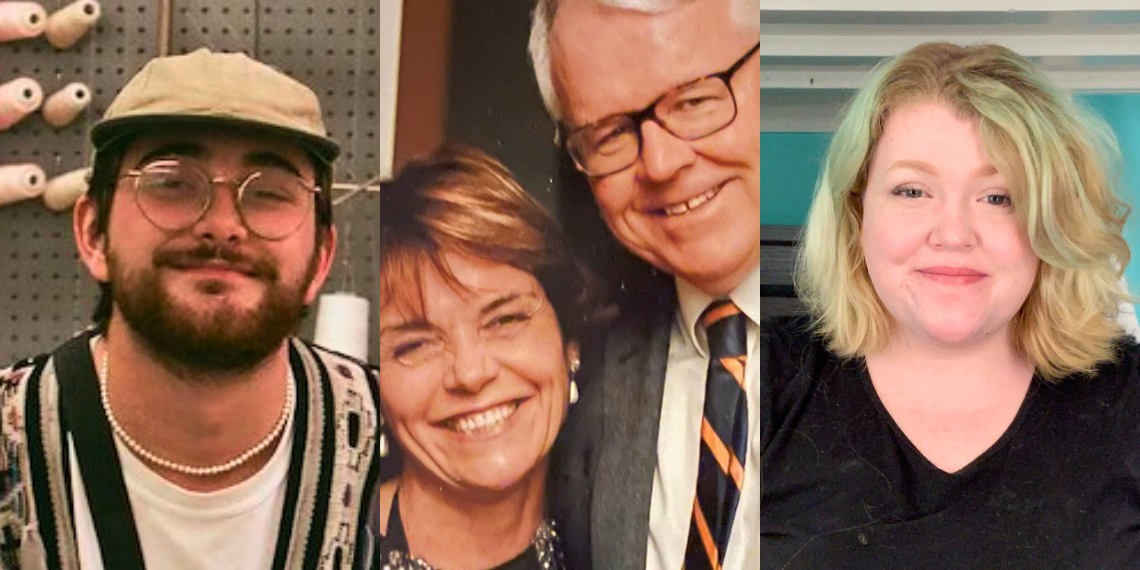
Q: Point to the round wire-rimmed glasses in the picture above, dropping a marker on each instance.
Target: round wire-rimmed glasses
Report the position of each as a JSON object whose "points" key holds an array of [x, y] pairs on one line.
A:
{"points": [[174, 194]]}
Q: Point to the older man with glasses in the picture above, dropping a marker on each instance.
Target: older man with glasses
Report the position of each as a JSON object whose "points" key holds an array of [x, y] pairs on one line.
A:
{"points": [[187, 428], [658, 105]]}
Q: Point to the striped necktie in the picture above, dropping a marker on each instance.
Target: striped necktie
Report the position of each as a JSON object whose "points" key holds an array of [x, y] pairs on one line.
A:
{"points": [[724, 430]]}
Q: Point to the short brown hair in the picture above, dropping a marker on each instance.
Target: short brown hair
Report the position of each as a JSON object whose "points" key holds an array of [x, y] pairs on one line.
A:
{"points": [[460, 200]]}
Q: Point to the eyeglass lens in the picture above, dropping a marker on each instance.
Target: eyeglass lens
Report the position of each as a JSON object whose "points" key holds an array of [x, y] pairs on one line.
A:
{"points": [[174, 195], [689, 112]]}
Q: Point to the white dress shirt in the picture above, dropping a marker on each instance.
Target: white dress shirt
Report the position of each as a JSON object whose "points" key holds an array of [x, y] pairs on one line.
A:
{"points": [[678, 439]]}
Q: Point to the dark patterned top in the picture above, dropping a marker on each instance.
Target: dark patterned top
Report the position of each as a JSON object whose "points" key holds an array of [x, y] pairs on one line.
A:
{"points": [[391, 549], [334, 430]]}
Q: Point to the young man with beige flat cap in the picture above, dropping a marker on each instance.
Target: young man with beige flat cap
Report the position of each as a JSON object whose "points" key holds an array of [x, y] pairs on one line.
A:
{"points": [[188, 428]]}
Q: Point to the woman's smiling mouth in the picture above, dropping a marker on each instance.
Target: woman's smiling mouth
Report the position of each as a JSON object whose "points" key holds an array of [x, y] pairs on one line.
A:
{"points": [[482, 422]]}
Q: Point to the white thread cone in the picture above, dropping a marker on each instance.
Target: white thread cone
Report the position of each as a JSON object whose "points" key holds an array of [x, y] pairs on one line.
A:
{"points": [[21, 20], [20, 182], [63, 106], [68, 24], [342, 324], [61, 192], [19, 98]]}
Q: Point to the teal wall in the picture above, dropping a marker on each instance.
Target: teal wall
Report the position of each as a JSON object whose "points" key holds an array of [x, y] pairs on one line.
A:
{"points": [[790, 163], [1122, 112]]}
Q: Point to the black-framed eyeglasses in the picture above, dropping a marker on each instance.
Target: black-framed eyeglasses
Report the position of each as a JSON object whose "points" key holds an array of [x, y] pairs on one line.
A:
{"points": [[174, 194], [689, 112]]}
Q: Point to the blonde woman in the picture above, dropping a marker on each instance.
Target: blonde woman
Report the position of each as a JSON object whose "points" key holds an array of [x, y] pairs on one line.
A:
{"points": [[960, 395]]}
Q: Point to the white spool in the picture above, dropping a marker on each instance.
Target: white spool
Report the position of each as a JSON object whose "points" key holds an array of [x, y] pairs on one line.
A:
{"points": [[66, 25], [61, 192], [63, 106], [18, 98], [21, 20], [342, 324], [20, 182]]}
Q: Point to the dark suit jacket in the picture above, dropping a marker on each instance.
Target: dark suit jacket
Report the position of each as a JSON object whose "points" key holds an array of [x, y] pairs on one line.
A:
{"points": [[602, 465]]}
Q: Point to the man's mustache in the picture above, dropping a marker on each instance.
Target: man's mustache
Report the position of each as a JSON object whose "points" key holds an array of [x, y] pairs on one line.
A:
{"points": [[216, 255]]}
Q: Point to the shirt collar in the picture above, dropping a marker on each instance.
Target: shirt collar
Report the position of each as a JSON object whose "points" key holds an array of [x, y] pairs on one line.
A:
{"points": [[693, 302]]}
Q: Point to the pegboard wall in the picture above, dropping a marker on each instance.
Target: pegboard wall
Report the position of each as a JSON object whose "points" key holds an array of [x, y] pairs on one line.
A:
{"points": [[340, 48]]}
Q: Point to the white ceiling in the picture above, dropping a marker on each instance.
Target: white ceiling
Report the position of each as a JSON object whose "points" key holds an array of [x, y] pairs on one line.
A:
{"points": [[813, 53]]}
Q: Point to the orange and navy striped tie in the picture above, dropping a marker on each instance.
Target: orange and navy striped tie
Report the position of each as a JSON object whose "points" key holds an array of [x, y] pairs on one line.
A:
{"points": [[724, 430]]}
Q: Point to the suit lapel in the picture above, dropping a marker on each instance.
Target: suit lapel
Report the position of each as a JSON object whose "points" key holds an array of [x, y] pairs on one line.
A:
{"points": [[633, 391]]}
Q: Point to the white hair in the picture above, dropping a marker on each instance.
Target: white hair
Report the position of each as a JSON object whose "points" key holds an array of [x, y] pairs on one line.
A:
{"points": [[744, 12]]}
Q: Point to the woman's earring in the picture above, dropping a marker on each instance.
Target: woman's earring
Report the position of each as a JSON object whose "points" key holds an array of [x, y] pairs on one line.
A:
{"points": [[575, 364], [382, 438]]}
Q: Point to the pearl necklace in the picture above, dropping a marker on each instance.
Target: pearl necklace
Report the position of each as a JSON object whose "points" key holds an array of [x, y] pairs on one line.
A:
{"points": [[209, 470]]}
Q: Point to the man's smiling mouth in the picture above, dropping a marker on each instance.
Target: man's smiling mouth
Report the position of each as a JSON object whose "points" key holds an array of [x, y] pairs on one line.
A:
{"points": [[691, 204]]}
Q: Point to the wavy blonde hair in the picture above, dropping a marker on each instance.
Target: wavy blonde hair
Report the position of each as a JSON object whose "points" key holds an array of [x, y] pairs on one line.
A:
{"points": [[1061, 162]]}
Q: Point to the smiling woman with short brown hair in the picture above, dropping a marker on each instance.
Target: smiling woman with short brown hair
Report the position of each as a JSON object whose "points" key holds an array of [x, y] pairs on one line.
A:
{"points": [[482, 308]]}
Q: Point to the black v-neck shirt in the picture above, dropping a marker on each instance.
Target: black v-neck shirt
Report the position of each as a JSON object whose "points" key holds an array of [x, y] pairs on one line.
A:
{"points": [[842, 486]]}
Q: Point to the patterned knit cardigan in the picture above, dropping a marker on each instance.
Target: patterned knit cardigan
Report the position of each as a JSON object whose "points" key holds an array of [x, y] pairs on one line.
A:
{"points": [[333, 465]]}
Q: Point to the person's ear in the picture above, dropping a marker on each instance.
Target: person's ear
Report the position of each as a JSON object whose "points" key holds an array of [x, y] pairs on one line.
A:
{"points": [[89, 241], [326, 250]]}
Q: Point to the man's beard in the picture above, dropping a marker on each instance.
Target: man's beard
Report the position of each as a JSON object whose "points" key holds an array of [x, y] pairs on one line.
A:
{"points": [[222, 341]]}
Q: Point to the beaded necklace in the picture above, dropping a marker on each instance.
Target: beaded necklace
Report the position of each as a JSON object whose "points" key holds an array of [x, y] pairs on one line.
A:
{"points": [[209, 470], [546, 543]]}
